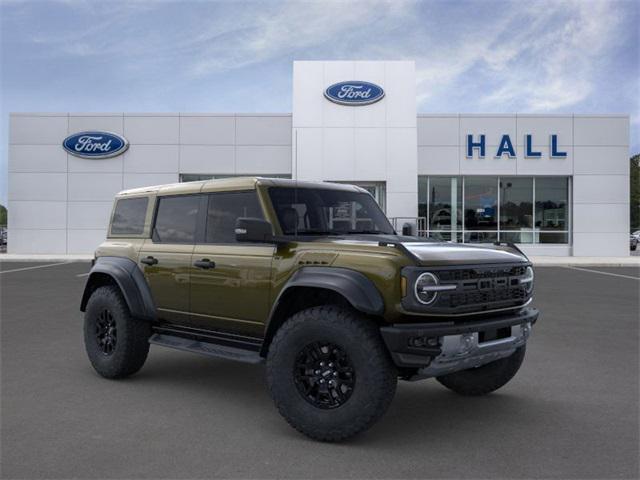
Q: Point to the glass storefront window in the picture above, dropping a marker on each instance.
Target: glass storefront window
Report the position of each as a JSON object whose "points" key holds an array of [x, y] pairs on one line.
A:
{"points": [[445, 203], [423, 196], [517, 237], [447, 236], [480, 203], [552, 198], [525, 210], [480, 237], [516, 203], [552, 237]]}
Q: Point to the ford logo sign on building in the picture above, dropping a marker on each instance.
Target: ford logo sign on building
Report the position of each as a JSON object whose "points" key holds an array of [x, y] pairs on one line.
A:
{"points": [[95, 145], [354, 93]]}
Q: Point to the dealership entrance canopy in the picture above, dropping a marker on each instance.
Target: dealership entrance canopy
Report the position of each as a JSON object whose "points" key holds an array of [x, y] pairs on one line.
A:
{"points": [[553, 184]]}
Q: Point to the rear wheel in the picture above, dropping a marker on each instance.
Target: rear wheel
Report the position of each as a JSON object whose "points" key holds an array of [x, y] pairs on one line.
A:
{"points": [[116, 343], [329, 373], [484, 379]]}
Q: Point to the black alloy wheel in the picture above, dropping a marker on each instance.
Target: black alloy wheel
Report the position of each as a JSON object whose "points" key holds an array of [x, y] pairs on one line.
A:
{"points": [[324, 375], [106, 332]]}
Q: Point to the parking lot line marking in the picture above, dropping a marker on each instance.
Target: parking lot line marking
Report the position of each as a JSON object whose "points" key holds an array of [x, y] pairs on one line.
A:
{"points": [[33, 268], [83, 274], [604, 273]]}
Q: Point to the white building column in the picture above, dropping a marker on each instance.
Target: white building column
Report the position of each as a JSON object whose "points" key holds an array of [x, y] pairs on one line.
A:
{"points": [[365, 143], [601, 186]]}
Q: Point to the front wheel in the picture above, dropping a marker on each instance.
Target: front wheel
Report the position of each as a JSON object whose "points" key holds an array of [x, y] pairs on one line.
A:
{"points": [[116, 343], [329, 373], [484, 379]]}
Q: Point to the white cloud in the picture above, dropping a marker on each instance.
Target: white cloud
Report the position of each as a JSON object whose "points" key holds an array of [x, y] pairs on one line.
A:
{"points": [[541, 57], [294, 27]]}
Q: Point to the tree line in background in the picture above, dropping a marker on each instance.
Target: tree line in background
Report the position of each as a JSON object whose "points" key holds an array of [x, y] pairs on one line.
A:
{"points": [[3, 215], [635, 192]]}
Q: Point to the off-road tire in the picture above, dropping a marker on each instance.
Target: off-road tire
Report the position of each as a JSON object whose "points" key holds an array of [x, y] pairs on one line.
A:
{"points": [[375, 375], [132, 335], [485, 379]]}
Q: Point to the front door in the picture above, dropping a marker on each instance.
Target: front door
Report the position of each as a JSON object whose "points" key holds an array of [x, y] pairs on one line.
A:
{"points": [[165, 259], [230, 282]]}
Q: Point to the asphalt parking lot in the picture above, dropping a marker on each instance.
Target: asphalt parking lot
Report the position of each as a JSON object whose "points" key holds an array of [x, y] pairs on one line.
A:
{"points": [[571, 412]]}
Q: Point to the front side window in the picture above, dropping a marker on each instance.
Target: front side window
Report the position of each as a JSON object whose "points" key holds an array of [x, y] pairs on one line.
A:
{"points": [[318, 211], [176, 219], [129, 215], [223, 211]]}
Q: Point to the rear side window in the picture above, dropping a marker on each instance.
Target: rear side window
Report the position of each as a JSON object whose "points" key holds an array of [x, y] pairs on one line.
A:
{"points": [[129, 215], [224, 209], [176, 219]]}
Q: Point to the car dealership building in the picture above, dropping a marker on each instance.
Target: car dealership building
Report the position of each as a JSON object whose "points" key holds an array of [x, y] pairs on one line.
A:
{"points": [[553, 184]]}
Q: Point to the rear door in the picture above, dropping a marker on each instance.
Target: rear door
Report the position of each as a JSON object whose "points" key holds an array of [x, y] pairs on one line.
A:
{"points": [[166, 258], [230, 281]]}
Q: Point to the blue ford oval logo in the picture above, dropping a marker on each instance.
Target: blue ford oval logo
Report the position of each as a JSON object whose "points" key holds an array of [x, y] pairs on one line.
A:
{"points": [[354, 93], [95, 144]]}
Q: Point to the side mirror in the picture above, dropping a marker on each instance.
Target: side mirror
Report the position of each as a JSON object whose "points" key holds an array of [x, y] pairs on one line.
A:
{"points": [[253, 230]]}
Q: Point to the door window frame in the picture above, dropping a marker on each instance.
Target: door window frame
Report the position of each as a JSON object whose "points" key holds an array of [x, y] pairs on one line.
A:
{"points": [[205, 219], [199, 231]]}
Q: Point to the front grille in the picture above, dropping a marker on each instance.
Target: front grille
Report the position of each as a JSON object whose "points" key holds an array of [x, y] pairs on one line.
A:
{"points": [[483, 297], [482, 288], [479, 288], [481, 272]]}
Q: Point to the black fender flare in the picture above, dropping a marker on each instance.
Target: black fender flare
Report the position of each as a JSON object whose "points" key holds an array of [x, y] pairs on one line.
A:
{"points": [[354, 286], [130, 279]]}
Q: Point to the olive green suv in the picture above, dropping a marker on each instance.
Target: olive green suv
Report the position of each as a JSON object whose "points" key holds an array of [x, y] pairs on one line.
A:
{"points": [[312, 280]]}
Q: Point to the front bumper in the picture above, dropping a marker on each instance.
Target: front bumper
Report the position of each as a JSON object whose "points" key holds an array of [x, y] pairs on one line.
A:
{"points": [[436, 349]]}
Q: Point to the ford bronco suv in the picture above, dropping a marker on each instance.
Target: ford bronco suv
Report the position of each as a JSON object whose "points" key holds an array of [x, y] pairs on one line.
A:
{"points": [[312, 280]]}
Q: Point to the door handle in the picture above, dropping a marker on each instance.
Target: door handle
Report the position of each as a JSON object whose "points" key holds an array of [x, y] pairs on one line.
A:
{"points": [[149, 260], [204, 263]]}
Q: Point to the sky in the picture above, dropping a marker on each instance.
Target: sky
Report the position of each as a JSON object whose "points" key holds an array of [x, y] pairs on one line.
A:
{"points": [[229, 56]]}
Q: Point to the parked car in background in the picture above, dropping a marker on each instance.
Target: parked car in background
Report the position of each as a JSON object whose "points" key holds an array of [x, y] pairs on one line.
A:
{"points": [[3, 235], [636, 234], [633, 242]]}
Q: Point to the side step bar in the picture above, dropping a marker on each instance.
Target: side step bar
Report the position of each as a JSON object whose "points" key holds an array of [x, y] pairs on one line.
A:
{"points": [[206, 348], [231, 346]]}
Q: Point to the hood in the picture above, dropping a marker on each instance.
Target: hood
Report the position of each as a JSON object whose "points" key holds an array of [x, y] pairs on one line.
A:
{"points": [[463, 254], [433, 253]]}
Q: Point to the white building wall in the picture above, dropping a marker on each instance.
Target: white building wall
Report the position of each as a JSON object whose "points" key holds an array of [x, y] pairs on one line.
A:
{"points": [[374, 142], [597, 160], [601, 186], [59, 203]]}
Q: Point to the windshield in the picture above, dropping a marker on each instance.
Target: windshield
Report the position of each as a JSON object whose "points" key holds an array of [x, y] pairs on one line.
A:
{"points": [[318, 211]]}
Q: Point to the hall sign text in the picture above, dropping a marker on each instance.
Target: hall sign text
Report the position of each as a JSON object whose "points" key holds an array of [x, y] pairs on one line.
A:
{"points": [[95, 145], [477, 144]]}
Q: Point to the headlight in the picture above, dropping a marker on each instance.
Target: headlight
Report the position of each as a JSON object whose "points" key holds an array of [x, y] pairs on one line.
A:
{"points": [[527, 280], [425, 290]]}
